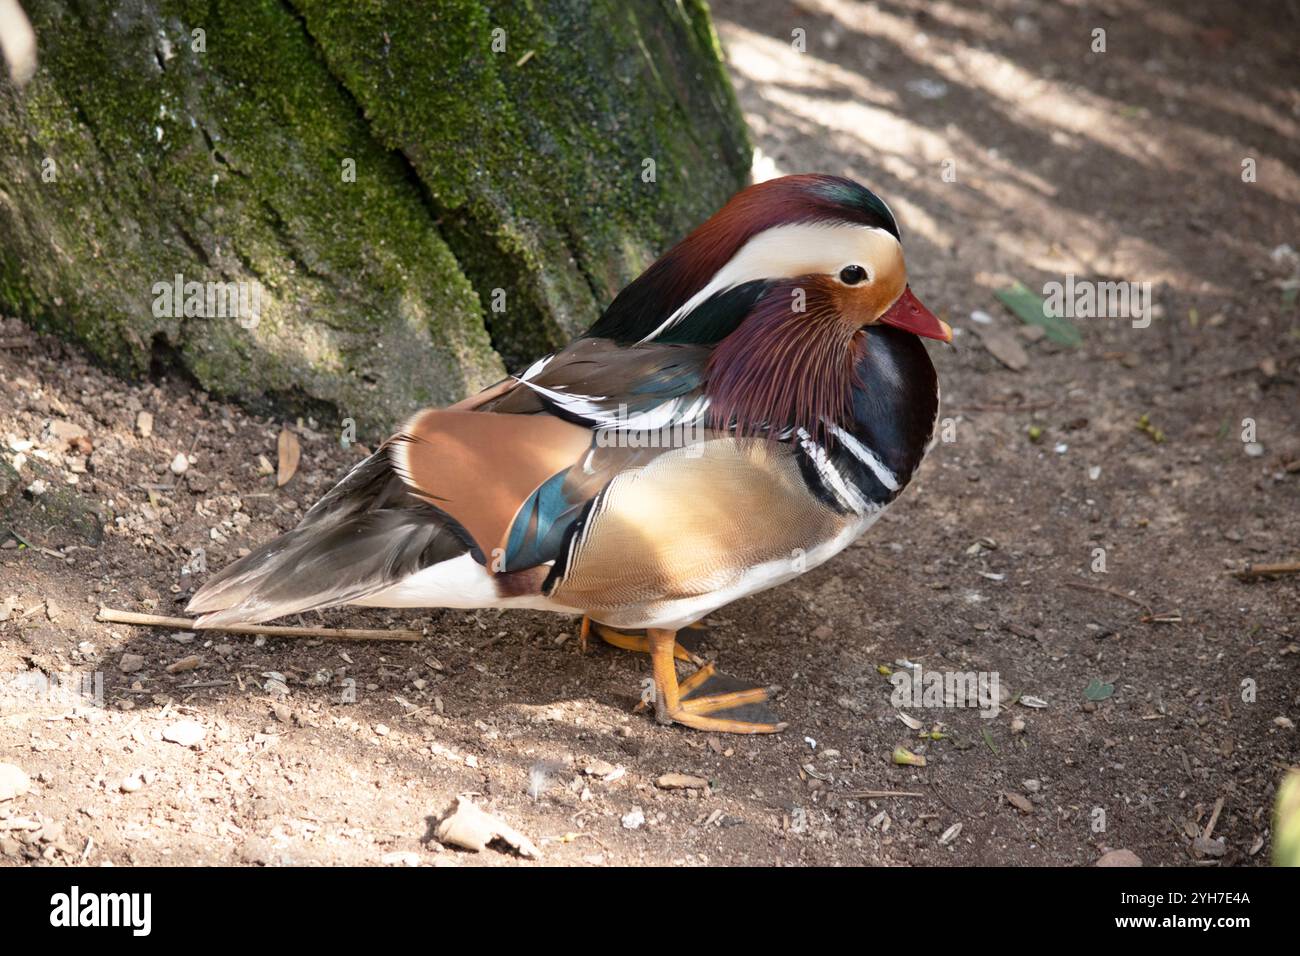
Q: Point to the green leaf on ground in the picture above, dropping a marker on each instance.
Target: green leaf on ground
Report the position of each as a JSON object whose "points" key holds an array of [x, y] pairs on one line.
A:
{"points": [[988, 740], [1031, 309], [1096, 690]]}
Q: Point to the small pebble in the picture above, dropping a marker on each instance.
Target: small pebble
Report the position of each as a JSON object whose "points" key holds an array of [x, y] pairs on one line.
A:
{"points": [[634, 819], [184, 664], [187, 733], [13, 782], [1204, 846], [1119, 858]]}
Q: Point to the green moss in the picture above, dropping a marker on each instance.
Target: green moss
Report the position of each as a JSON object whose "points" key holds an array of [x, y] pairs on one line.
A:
{"points": [[532, 154], [474, 172]]}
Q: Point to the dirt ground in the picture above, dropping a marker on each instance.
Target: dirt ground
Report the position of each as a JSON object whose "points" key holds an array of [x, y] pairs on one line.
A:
{"points": [[1123, 165]]}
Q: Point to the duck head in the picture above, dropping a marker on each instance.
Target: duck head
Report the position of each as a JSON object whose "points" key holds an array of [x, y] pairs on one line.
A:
{"points": [[784, 281]]}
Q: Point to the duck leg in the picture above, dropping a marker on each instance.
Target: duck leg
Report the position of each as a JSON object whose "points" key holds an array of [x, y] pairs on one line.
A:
{"points": [[638, 643], [685, 703]]}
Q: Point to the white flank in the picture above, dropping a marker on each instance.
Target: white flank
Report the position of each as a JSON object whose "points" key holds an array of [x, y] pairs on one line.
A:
{"points": [[460, 583], [672, 615]]}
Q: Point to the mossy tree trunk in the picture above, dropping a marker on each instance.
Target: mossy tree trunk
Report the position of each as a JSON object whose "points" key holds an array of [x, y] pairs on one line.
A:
{"points": [[422, 194]]}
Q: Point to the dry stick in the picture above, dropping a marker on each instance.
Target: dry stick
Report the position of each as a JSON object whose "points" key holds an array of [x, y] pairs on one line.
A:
{"points": [[109, 614], [1174, 616], [990, 407], [1263, 570], [1233, 372], [36, 547], [1214, 818], [877, 794], [1111, 591]]}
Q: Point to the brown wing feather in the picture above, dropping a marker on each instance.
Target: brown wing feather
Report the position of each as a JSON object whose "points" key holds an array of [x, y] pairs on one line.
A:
{"points": [[479, 467]]}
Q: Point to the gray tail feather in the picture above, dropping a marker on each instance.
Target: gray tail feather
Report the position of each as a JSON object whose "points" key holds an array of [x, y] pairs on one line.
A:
{"points": [[365, 535]]}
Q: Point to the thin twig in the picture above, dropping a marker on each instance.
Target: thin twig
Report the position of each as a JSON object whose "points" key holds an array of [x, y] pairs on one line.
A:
{"points": [[1174, 616], [36, 547], [1232, 372], [1024, 407], [1264, 570], [17, 343], [109, 614], [20, 539], [1214, 818], [877, 794], [1111, 591]]}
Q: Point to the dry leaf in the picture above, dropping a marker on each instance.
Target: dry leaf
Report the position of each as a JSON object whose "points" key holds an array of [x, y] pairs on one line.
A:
{"points": [[289, 451], [1004, 347], [905, 758], [185, 664], [1019, 801], [1119, 858], [469, 827]]}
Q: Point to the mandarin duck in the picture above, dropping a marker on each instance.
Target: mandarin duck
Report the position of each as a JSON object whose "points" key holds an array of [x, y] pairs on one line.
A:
{"points": [[739, 414]]}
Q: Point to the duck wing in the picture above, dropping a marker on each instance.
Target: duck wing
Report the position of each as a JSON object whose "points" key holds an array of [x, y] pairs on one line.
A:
{"points": [[504, 483]]}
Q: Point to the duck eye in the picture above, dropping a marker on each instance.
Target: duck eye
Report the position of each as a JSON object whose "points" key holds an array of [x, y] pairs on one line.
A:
{"points": [[852, 275]]}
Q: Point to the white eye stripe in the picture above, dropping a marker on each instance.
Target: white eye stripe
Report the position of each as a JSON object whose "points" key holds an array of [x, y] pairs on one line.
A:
{"points": [[791, 250]]}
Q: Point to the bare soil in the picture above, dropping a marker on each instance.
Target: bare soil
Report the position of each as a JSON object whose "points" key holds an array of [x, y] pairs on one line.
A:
{"points": [[1123, 165]]}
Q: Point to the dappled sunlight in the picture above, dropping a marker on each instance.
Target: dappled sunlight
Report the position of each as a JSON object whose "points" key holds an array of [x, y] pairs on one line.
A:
{"points": [[1001, 202], [1040, 102]]}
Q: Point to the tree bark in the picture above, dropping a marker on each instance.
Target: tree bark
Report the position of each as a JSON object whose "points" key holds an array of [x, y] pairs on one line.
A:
{"points": [[422, 195]]}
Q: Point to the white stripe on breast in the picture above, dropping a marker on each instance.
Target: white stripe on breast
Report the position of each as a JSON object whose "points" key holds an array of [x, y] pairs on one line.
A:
{"points": [[846, 491], [868, 457]]}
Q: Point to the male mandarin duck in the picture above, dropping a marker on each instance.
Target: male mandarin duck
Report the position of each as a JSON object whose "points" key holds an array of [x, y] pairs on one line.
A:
{"points": [[780, 338]]}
